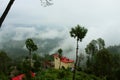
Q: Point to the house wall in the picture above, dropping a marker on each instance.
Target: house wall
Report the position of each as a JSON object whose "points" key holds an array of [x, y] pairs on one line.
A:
{"points": [[66, 65], [57, 62]]}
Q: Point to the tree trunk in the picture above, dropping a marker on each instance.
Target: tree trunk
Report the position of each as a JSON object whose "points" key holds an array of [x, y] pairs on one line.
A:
{"points": [[79, 60], [74, 71], [30, 56], [6, 12]]}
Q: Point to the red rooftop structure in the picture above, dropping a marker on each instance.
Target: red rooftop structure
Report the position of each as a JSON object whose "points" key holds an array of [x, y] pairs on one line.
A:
{"points": [[63, 59], [21, 76], [62, 62]]}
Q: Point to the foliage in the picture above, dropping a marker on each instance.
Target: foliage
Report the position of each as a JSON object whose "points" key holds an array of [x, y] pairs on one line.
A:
{"points": [[91, 48], [115, 71], [3, 76], [105, 65], [101, 43], [96, 54], [94, 46], [37, 63], [102, 63], [114, 49], [53, 74], [5, 62], [48, 57], [84, 76], [60, 52], [30, 45], [78, 32]]}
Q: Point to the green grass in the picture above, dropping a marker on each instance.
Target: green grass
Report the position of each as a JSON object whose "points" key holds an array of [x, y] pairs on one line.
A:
{"points": [[53, 74]]}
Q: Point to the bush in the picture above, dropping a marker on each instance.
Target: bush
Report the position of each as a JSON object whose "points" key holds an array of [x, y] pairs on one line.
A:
{"points": [[3, 77]]}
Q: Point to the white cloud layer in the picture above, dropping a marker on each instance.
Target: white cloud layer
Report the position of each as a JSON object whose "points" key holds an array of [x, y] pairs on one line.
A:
{"points": [[100, 17]]}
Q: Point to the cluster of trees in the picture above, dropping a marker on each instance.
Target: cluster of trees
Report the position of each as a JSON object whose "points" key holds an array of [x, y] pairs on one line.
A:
{"points": [[22, 65], [12, 67], [5, 63], [101, 62]]}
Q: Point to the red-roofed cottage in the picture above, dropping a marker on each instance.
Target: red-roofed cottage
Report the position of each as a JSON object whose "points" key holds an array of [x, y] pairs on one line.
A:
{"points": [[63, 62]]}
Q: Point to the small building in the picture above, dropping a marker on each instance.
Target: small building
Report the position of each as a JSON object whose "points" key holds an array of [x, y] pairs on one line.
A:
{"points": [[63, 62]]}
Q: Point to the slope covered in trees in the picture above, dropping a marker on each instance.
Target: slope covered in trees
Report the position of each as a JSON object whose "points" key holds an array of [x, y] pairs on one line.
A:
{"points": [[104, 62], [114, 49]]}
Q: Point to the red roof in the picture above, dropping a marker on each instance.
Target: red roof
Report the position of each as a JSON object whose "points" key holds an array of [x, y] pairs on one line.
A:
{"points": [[21, 76], [64, 59], [32, 74]]}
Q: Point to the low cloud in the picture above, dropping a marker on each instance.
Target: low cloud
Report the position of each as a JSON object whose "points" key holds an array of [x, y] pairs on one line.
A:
{"points": [[21, 32]]}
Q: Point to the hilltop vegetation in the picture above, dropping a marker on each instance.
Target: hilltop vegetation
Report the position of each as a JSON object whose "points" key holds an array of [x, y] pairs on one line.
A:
{"points": [[93, 67], [114, 49]]}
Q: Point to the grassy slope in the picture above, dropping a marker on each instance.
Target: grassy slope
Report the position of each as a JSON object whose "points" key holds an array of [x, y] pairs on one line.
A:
{"points": [[52, 74]]}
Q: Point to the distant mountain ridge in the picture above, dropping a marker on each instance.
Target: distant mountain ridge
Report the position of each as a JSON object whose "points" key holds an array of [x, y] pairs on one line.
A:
{"points": [[13, 37], [16, 48], [114, 49]]}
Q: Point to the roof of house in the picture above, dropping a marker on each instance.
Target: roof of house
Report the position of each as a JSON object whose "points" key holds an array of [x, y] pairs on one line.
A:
{"points": [[21, 76], [64, 59]]}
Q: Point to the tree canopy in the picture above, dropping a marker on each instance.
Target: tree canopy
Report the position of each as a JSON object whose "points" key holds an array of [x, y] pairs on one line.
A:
{"points": [[78, 32], [30, 45]]}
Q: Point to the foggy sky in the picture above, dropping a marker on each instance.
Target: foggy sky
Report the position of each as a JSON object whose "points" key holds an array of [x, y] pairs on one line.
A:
{"points": [[100, 17]]}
